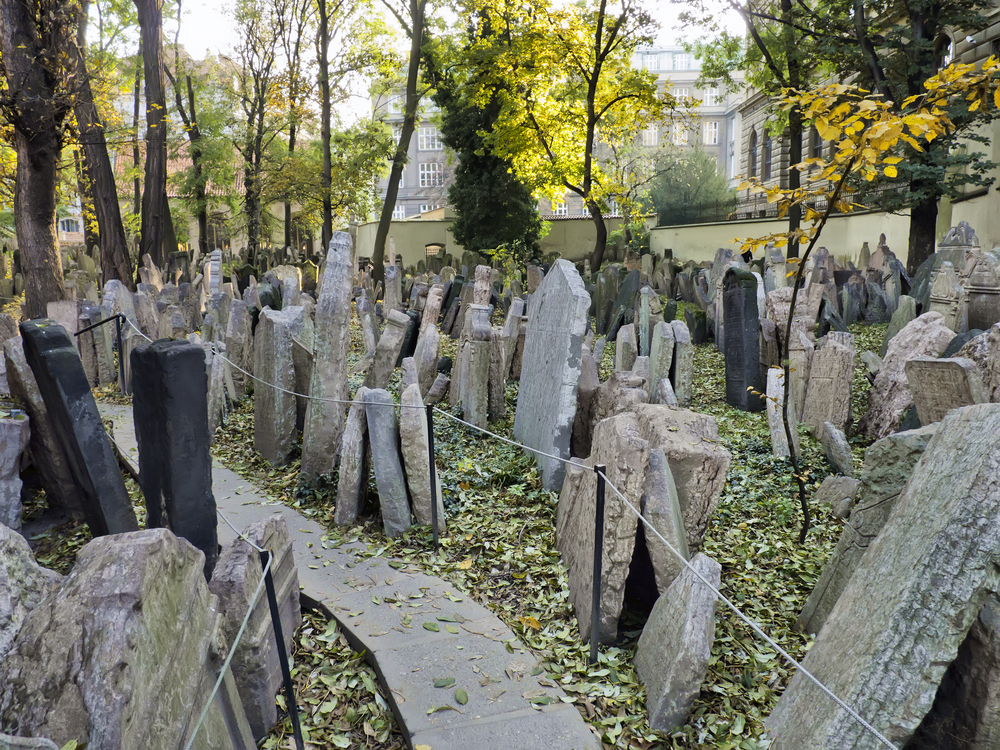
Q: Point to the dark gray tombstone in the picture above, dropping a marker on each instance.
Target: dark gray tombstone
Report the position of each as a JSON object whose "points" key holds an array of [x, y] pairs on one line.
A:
{"points": [[742, 346], [170, 407], [410, 338], [920, 287], [877, 310], [54, 361], [697, 324]]}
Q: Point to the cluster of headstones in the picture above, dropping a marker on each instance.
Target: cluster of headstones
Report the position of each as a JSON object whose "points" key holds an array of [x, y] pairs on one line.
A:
{"points": [[140, 599]]}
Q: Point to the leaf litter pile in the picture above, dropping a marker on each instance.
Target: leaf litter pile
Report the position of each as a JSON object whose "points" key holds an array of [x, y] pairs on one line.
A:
{"points": [[499, 548]]}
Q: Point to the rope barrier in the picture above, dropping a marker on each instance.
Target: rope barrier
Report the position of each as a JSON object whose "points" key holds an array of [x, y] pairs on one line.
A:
{"points": [[232, 651], [238, 533]]}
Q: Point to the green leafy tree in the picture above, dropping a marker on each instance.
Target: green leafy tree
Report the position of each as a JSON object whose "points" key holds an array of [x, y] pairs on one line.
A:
{"points": [[692, 185]]}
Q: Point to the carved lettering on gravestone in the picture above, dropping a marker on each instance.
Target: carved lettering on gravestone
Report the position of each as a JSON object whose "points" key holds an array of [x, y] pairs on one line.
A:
{"points": [[828, 393], [948, 298], [742, 346], [940, 385], [983, 290]]}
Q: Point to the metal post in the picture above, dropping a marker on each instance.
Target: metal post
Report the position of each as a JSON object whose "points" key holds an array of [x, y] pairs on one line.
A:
{"points": [[286, 674], [430, 458], [595, 611], [121, 355]]}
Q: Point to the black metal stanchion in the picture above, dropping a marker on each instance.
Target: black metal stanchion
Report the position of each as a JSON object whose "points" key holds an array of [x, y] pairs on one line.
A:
{"points": [[430, 454], [121, 355], [286, 674], [595, 617]]}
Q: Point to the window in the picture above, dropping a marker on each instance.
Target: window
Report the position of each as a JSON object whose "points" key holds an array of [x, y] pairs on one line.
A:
{"points": [[815, 144], [753, 153], [768, 149], [710, 134], [651, 61], [401, 176], [680, 135], [682, 93], [69, 225], [711, 97], [399, 212], [431, 174], [651, 135], [682, 62], [559, 208], [394, 104], [425, 207], [429, 139], [613, 209]]}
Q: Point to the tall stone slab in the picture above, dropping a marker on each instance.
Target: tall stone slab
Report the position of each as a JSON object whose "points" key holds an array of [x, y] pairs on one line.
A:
{"points": [[619, 446], [913, 598], [63, 386], [742, 341], [673, 653], [550, 370], [426, 357], [414, 444], [393, 299], [682, 367], [890, 397], [239, 346], [661, 508], [775, 415], [324, 423], [274, 413], [983, 290], [661, 355], [388, 351], [432, 308], [170, 409], [887, 467], [14, 433], [940, 385], [355, 461], [831, 373], [905, 312], [383, 433], [626, 348], [948, 298]]}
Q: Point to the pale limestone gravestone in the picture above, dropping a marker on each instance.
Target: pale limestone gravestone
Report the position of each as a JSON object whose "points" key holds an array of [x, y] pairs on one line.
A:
{"points": [[425, 358], [948, 298], [673, 653], [387, 351], [619, 446], [626, 347], [550, 370], [913, 598], [661, 356], [682, 367], [483, 285], [887, 467], [499, 366], [644, 319], [836, 448], [432, 308], [890, 396], [831, 372], [14, 434], [213, 272], [940, 385], [414, 444], [239, 347], [661, 508], [383, 434], [274, 414], [367, 323], [393, 299], [355, 459], [775, 418]]}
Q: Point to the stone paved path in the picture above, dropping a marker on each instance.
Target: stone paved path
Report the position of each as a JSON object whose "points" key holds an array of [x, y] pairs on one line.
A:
{"points": [[384, 611]]}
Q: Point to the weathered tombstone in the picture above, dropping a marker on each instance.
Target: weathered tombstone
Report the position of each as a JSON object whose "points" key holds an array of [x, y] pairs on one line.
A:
{"points": [[905, 312], [535, 278], [948, 298], [426, 357], [256, 665], [25, 585], [393, 299], [831, 372], [355, 458], [63, 386], [170, 408], [239, 346], [546, 404], [682, 368], [661, 355], [626, 348], [660, 506], [913, 597], [274, 414], [839, 492], [673, 654], [383, 434], [775, 417], [368, 324], [125, 653], [14, 435], [983, 290], [414, 445], [742, 344], [643, 323], [940, 385], [389, 349], [499, 366], [836, 448], [890, 396]]}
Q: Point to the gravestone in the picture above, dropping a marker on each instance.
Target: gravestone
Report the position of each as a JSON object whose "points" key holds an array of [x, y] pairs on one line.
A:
{"points": [[948, 298], [367, 323], [940, 385], [170, 409], [682, 367], [239, 347], [355, 459], [661, 356], [836, 448], [983, 290], [432, 308], [742, 343], [383, 434], [274, 413], [388, 350], [626, 348], [906, 312], [73, 412], [14, 436], [839, 492], [831, 372], [414, 445], [24, 583], [672, 656], [550, 371], [912, 599], [660, 506], [644, 324], [425, 358], [775, 418]]}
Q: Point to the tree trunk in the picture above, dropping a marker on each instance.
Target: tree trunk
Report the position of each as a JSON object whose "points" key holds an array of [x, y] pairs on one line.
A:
{"points": [[409, 124], [324, 87], [136, 157], [154, 196], [86, 202], [37, 113], [601, 243], [115, 260], [923, 230], [794, 126]]}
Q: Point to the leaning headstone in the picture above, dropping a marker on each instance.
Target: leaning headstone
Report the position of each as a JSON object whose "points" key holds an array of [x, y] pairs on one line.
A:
{"points": [[24, 584], [546, 404], [673, 654], [661, 508], [775, 415], [890, 396], [256, 665], [626, 348], [414, 445], [836, 448], [170, 409], [125, 653], [839, 493], [387, 352], [742, 341], [906, 312], [78, 427], [355, 460], [831, 373], [940, 385], [913, 597], [383, 433], [324, 421], [367, 322], [274, 414], [682, 368]]}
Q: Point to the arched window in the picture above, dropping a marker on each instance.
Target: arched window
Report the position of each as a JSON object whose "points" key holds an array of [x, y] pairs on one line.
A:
{"points": [[766, 166], [753, 153]]}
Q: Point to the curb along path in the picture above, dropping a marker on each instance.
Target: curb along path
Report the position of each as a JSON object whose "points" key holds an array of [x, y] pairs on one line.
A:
{"points": [[417, 631]]}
